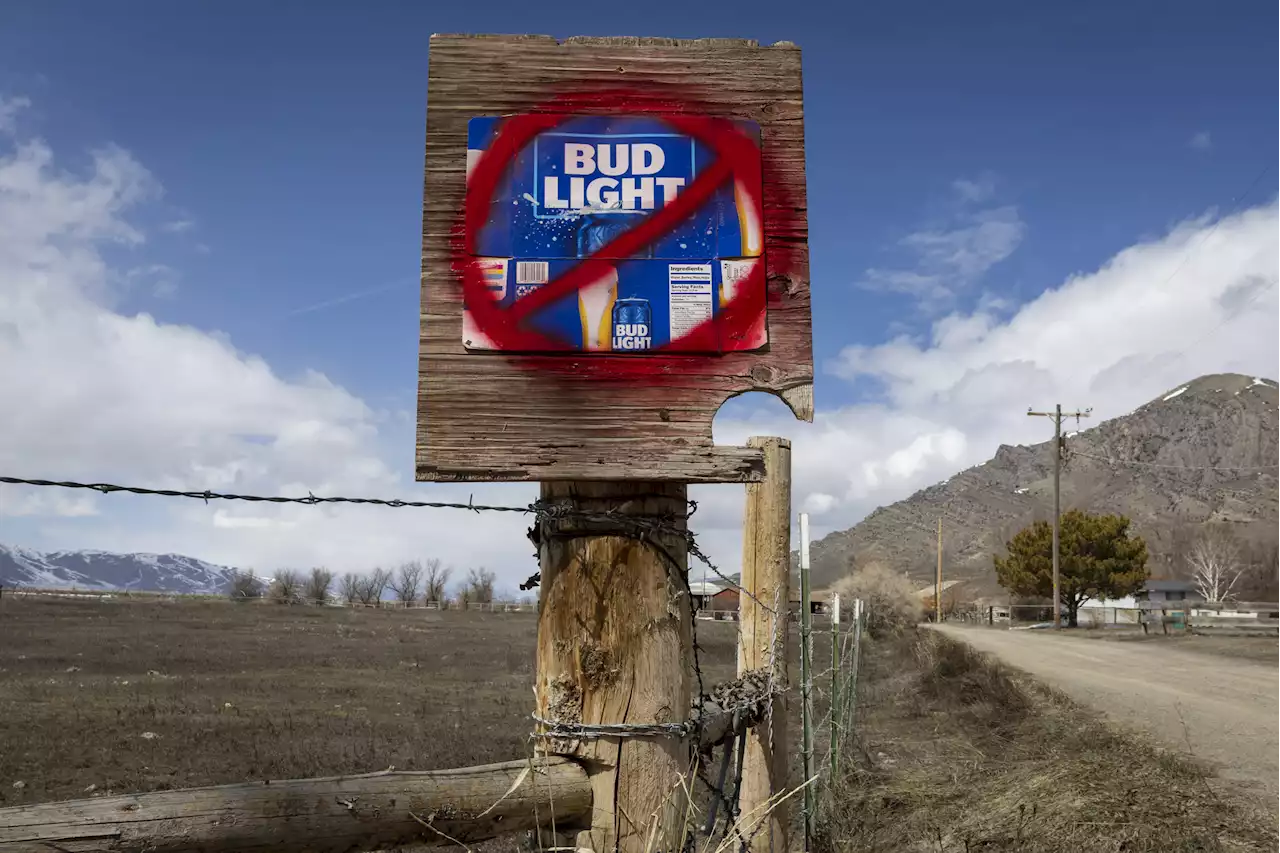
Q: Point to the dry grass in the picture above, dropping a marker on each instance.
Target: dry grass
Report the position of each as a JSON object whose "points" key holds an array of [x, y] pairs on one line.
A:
{"points": [[147, 694], [1257, 646], [956, 754]]}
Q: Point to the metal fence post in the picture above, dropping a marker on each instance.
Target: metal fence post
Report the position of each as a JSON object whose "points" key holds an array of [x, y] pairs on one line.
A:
{"points": [[806, 684], [834, 707]]}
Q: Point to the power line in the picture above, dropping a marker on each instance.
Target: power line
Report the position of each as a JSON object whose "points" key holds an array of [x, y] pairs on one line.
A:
{"points": [[1237, 203]]}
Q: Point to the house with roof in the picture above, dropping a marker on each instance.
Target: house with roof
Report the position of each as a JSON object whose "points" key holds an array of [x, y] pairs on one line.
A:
{"points": [[1159, 590]]}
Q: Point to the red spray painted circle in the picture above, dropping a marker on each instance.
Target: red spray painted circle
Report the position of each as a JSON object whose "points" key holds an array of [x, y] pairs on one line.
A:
{"points": [[738, 158]]}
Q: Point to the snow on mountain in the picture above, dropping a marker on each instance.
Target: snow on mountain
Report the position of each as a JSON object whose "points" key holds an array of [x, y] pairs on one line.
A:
{"points": [[105, 570]]}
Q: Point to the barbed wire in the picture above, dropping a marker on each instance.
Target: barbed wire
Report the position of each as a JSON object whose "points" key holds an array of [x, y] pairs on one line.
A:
{"points": [[639, 526], [536, 507], [754, 704], [552, 729]]}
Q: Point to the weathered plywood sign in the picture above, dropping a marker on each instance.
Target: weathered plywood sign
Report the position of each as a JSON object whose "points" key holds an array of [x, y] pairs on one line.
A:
{"points": [[614, 243]]}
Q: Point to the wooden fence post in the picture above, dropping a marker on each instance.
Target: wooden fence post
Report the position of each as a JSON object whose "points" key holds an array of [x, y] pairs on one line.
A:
{"points": [[614, 646], [763, 640]]}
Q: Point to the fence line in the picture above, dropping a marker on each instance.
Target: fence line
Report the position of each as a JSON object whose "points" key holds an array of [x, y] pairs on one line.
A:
{"points": [[639, 527], [730, 721]]}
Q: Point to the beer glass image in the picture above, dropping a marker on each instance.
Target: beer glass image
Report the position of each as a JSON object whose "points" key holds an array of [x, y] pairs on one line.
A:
{"points": [[595, 310]]}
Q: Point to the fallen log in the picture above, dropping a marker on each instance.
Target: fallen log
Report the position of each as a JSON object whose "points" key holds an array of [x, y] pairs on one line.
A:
{"points": [[374, 811]]}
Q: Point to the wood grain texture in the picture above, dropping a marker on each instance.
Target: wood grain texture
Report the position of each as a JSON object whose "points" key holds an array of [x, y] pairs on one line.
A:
{"points": [[762, 642], [489, 416], [370, 812], [615, 646]]}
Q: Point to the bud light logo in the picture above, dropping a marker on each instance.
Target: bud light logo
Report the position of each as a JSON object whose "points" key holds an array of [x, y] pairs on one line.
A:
{"points": [[622, 177], [632, 325]]}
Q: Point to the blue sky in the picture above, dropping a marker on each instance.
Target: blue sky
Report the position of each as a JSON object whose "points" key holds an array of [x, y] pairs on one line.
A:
{"points": [[963, 160]]}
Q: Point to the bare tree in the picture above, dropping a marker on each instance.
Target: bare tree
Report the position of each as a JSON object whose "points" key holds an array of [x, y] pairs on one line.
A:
{"points": [[1261, 580], [318, 585], [407, 582], [479, 586], [349, 588], [244, 586], [372, 586], [380, 580], [437, 578], [287, 586], [1215, 562], [365, 590]]}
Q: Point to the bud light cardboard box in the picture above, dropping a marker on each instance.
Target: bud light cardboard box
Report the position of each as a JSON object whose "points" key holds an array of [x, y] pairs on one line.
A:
{"points": [[576, 187]]}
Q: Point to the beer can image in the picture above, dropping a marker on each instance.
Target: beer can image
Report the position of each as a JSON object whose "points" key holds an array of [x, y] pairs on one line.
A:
{"points": [[632, 325]]}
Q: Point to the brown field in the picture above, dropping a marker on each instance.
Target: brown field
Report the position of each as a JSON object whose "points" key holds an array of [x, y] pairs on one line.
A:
{"points": [[130, 696], [951, 754]]}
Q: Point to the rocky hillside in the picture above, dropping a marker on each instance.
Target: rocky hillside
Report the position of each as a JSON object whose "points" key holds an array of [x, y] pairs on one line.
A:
{"points": [[1206, 451], [103, 570]]}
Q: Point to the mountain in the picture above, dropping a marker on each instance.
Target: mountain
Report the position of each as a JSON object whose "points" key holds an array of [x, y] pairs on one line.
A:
{"points": [[1168, 466], [103, 570]]}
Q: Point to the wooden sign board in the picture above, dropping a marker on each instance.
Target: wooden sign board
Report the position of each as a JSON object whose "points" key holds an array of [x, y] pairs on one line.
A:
{"points": [[499, 397]]}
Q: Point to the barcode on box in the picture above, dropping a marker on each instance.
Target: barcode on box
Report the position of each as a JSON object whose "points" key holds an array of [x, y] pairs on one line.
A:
{"points": [[531, 272]]}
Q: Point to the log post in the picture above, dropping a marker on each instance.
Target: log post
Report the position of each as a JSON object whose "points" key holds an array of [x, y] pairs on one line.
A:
{"points": [[614, 646], [762, 642]]}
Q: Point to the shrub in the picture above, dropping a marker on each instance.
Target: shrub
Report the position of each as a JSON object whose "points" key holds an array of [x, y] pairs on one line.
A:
{"points": [[891, 600], [318, 585], [244, 586], [286, 587]]}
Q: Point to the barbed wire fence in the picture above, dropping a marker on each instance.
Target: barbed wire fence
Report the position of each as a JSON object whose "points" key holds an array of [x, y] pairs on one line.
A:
{"points": [[744, 702]]}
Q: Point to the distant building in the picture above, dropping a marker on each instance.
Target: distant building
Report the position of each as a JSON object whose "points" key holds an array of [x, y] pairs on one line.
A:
{"points": [[702, 592], [1155, 591], [1169, 590], [819, 602], [725, 600]]}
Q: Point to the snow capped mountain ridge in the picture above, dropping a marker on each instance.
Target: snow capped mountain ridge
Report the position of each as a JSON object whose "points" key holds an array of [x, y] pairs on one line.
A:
{"points": [[91, 569]]}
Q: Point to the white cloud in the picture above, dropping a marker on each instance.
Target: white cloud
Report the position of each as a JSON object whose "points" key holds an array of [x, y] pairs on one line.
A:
{"points": [[9, 109], [93, 394], [160, 280], [51, 503], [1202, 299], [974, 190], [105, 396], [1202, 141], [951, 255], [970, 249], [178, 226]]}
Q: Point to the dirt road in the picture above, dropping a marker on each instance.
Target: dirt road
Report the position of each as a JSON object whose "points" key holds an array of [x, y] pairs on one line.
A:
{"points": [[1223, 710]]}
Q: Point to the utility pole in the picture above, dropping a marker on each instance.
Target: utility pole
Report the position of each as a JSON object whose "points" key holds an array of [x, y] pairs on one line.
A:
{"points": [[937, 582], [1056, 415]]}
